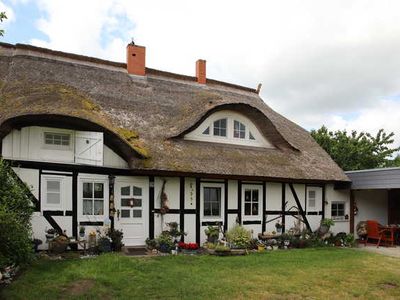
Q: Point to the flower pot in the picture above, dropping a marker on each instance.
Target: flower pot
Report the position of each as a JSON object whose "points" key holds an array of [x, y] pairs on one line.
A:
{"points": [[82, 234], [261, 248], [212, 239]]}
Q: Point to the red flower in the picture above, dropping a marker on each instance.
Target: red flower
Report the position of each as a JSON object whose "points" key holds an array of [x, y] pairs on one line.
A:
{"points": [[188, 246]]}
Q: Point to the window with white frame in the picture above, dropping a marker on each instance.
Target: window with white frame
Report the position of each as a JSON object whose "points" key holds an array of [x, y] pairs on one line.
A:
{"points": [[338, 210], [311, 199], [239, 130], [131, 202], [92, 198], [220, 127], [229, 127], [57, 139], [53, 192], [251, 202], [212, 201]]}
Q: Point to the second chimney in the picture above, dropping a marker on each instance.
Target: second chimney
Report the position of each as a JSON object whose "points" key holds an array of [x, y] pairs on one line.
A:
{"points": [[136, 59], [201, 71]]}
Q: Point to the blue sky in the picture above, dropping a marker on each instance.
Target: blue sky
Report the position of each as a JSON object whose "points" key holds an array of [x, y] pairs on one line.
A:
{"points": [[320, 62]]}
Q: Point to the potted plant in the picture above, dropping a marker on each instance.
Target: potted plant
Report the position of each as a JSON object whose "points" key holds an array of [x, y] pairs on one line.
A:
{"points": [[212, 234], [50, 233], [260, 247], [165, 242], [104, 244], [326, 224], [278, 227], [116, 237], [59, 244], [82, 231], [36, 243]]}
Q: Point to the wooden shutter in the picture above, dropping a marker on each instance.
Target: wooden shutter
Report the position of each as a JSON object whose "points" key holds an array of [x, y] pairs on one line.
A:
{"points": [[89, 148]]}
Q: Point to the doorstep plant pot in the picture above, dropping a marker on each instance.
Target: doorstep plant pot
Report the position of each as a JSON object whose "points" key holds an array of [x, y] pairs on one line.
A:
{"points": [[164, 248], [324, 229], [212, 239], [260, 248], [82, 234], [189, 251]]}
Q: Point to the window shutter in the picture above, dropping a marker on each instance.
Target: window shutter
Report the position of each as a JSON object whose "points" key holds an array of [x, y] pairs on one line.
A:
{"points": [[89, 148]]}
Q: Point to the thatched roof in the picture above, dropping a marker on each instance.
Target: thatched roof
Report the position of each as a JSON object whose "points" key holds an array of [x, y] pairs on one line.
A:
{"points": [[144, 118]]}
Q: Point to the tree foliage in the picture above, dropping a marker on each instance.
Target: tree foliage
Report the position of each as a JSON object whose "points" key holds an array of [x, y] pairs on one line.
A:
{"points": [[15, 214], [357, 151], [2, 17]]}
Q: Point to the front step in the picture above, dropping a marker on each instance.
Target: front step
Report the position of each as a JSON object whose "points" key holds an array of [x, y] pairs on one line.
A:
{"points": [[134, 250]]}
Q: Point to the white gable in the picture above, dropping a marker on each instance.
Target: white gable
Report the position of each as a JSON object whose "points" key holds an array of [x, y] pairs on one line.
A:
{"points": [[229, 127]]}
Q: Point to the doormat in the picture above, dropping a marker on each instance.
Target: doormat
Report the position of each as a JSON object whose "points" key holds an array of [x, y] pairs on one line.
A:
{"points": [[132, 251]]}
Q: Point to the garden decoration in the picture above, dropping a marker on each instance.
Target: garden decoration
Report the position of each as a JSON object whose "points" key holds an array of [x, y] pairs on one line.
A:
{"points": [[212, 233], [361, 229], [82, 231], [164, 200]]}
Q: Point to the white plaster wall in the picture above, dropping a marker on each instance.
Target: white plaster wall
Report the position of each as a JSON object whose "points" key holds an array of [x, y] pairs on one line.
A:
{"points": [[274, 196], [255, 229], [232, 194], [171, 189], [332, 195], [31, 178], [190, 228], [372, 205], [161, 220], [112, 159], [190, 193], [300, 192]]}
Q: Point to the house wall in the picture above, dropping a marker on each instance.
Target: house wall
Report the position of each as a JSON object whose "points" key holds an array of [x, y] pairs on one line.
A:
{"points": [[27, 143], [333, 195], [372, 205], [278, 198]]}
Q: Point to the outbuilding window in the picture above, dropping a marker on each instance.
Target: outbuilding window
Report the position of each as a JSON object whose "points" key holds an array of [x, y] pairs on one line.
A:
{"points": [[239, 130], [338, 210], [57, 139]]}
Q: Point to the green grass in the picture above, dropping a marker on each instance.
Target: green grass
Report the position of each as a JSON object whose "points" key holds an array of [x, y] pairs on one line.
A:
{"points": [[310, 273]]}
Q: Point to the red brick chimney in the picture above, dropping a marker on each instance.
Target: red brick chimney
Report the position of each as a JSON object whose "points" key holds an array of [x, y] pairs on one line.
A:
{"points": [[136, 59], [201, 71]]}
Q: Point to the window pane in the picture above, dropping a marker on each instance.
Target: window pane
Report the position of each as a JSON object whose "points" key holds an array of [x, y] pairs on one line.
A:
{"points": [[87, 190], [137, 202], [53, 198], [255, 209], [247, 209], [56, 139], [136, 213], [311, 194], [98, 207], [255, 195], [251, 136], [125, 213], [215, 209], [125, 190], [247, 195], [207, 209], [220, 127], [87, 207], [53, 186], [125, 202], [207, 131], [239, 130], [137, 191], [98, 190], [311, 203]]}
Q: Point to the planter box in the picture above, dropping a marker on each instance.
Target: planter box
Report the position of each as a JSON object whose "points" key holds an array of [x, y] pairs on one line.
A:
{"points": [[189, 252]]}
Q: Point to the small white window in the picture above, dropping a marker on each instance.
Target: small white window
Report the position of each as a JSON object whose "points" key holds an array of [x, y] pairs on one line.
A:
{"points": [[220, 127], [239, 130], [311, 199], [93, 198], [57, 139], [251, 202], [207, 131], [251, 136], [53, 191], [338, 210]]}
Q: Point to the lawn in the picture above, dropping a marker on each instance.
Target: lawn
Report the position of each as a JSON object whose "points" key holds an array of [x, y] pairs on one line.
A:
{"points": [[309, 273]]}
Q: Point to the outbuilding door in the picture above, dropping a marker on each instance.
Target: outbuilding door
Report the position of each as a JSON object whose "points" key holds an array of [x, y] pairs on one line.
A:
{"points": [[131, 200]]}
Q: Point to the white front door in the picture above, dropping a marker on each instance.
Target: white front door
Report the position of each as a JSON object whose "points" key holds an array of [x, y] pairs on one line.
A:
{"points": [[131, 199]]}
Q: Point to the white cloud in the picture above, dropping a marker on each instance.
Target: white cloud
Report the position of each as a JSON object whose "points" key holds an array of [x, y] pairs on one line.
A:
{"points": [[317, 60]]}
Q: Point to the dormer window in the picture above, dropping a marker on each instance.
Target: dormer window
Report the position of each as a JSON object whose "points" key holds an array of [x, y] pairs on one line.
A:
{"points": [[239, 130], [220, 127], [229, 127]]}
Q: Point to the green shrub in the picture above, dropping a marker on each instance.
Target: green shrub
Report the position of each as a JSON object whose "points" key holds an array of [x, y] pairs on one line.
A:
{"points": [[16, 244], [222, 248], [15, 214], [238, 237]]}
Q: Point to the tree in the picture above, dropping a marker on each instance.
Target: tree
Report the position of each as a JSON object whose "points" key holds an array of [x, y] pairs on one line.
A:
{"points": [[2, 17], [357, 151], [15, 215]]}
